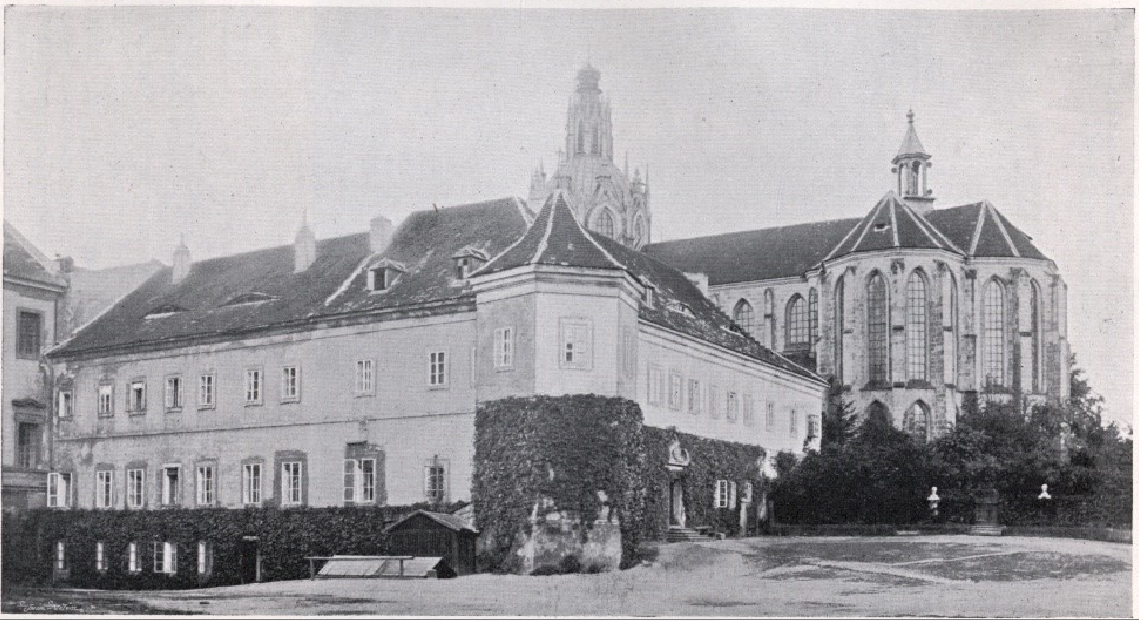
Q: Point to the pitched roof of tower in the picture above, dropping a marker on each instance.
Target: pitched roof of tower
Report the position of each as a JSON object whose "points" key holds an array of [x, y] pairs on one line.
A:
{"points": [[910, 143], [982, 231], [255, 291], [557, 239], [778, 252], [891, 224]]}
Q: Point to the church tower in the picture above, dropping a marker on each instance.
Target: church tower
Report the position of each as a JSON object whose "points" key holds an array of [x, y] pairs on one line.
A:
{"points": [[602, 196], [912, 168]]}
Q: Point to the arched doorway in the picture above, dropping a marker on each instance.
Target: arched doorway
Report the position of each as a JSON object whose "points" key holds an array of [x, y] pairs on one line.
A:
{"points": [[916, 421]]}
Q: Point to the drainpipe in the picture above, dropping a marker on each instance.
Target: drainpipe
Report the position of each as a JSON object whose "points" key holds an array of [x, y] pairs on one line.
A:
{"points": [[49, 387]]}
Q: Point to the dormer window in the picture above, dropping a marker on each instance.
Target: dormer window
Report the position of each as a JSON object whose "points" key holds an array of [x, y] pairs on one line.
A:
{"points": [[382, 276], [648, 294], [467, 261]]}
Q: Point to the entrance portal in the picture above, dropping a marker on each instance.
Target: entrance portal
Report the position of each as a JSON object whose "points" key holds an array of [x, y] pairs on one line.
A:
{"points": [[676, 515], [250, 552]]}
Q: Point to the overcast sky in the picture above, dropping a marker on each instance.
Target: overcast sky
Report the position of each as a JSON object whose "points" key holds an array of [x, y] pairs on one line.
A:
{"points": [[126, 127]]}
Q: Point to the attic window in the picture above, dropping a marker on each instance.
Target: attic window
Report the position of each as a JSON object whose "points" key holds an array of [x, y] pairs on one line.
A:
{"points": [[382, 278], [881, 226], [164, 310], [647, 295], [249, 298], [467, 261]]}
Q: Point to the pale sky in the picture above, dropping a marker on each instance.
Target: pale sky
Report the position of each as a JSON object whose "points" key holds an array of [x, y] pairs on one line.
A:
{"points": [[126, 127]]}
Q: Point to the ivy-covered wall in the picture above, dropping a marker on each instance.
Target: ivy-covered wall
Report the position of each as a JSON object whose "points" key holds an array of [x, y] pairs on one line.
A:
{"points": [[285, 536], [709, 461], [557, 451]]}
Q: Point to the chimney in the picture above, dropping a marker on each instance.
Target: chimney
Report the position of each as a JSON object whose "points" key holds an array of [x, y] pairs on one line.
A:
{"points": [[64, 265], [304, 249], [381, 234], [181, 261]]}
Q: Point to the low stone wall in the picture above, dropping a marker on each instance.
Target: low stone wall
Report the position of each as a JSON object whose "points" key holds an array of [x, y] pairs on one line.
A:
{"points": [[1116, 535]]}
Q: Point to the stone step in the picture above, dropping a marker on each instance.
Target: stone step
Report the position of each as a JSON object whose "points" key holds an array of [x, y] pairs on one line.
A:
{"points": [[676, 534], [986, 530]]}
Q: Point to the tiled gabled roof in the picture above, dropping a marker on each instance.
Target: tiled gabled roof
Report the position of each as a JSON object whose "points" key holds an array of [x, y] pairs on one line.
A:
{"points": [[24, 261], [779, 252], [891, 224], [556, 238], [982, 231], [273, 296]]}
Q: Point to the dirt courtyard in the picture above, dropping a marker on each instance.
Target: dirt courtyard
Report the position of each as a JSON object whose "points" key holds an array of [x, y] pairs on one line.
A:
{"points": [[786, 576]]}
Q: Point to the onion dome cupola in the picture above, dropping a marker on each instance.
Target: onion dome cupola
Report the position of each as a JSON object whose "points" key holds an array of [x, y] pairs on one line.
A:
{"points": [[911, 166]]}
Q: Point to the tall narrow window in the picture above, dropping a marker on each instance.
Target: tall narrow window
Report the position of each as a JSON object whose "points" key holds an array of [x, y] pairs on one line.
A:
{"points": [[812, 317], [793, 423], [770, 416], [104, 489], [137, 397], [713, 401], [28, 334], [604, 224], [206, 390], [733, 407], [581, 138], [638, 231], [205, 560], [173, 394], [504, 348], [251, 484], [749, 410], [435, 481], [205, 486], [744, 315], [595, 146], [1037, 350], [769, 316], [916, 421], [136, 483], [61, 555], [359, 480], [839, 325], [798, 323], [59, 489], [65, 404], [291, 482], [365, 378], [171, 485], [994, 334], [877, 329], [917, 328], [134, 559], [106, 400], [100, 557], [675, 389], [253, 387], [437, 369], [951, 338], [695, 396], [577, 344], [290, 384]]}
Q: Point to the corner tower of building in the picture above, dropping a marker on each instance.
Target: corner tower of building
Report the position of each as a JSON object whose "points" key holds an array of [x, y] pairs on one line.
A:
{"points": [[602, 196], [911, 166]]}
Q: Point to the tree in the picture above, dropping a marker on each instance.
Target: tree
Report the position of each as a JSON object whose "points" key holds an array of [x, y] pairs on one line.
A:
{"points": [[839, 419]]}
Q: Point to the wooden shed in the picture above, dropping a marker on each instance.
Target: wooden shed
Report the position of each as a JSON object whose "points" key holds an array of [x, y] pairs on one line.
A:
{"points": [[425, 533]]}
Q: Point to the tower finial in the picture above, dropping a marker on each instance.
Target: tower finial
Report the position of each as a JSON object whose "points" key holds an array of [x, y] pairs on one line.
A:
{"points": [[910, 116]]}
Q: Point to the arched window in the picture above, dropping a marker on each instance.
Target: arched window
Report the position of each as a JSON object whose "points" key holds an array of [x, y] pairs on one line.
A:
{"points": [[917, 327], [812, 316], [798, 324], [994, 333], [950, 310], [580, 139], [638, 231], [916, 421], [839, 324], [604, 224], [1037, 367], [595, 146], [877, 316], [745, 316], [769, 316], [915, 179]]}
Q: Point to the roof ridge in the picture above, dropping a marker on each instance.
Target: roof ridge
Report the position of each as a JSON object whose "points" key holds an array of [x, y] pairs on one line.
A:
{"points": [[921, 219], [745, 232], [1001, 226], [980, 224], [544, 242], [894, 221], [594, 241]]}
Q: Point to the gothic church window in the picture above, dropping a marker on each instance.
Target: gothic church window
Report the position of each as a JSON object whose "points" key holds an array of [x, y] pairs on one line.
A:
{"points": [[745, 316], [917, 327], [604, 224], [1037, 376], [769, 315], [839, 316], [877, 328], [798, 324], [916, 421], [812, 316], [994, 333]]}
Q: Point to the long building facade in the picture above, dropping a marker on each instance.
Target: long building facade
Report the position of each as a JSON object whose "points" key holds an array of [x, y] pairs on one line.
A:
{"points": [[915, 311]]}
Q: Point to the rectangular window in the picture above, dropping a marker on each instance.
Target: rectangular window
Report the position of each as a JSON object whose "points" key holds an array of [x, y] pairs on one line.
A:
{"points": [[59, 490], [28, 334], [100, 556], [134, 559], [437, 368], [61, 555], [771, 416], [106, 400], [136, 398], [733, 407], [136, 483], [65, 404], [104, 489], [206, 390], [165, 557], [721, 493], [251, 484], [290, 384], [171, 485], [360, 480], [205, 486], [656, 385], [291, 483], [435, 482], [695, 396], [675, 388], [253, 387], [713, 402], [205, 552], [812, 426], [504, 348], [749, 410], [365, 378], [794, 424], [174, 393], [576, 344], [29, 439]]}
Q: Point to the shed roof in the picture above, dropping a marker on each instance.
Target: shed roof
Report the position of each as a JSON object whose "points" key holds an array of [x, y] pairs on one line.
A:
{"points": [[446, 520]]}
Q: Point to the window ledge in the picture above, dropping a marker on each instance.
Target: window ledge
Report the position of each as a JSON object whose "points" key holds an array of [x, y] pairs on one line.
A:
{"points": [[870, 386], [437, 387], [253, 405], [919, 384], [136, 413], [202, 408], [504, 369], [173, 410], [290, 401], [362, 395]]}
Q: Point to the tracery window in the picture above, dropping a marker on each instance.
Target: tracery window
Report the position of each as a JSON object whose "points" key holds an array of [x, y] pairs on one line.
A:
{"points": [[798, 323], [604, 224], [839, 325], [745, 316], [917, 328], [812, 316], [994, 332], [877, 320], [1037, 375]]}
